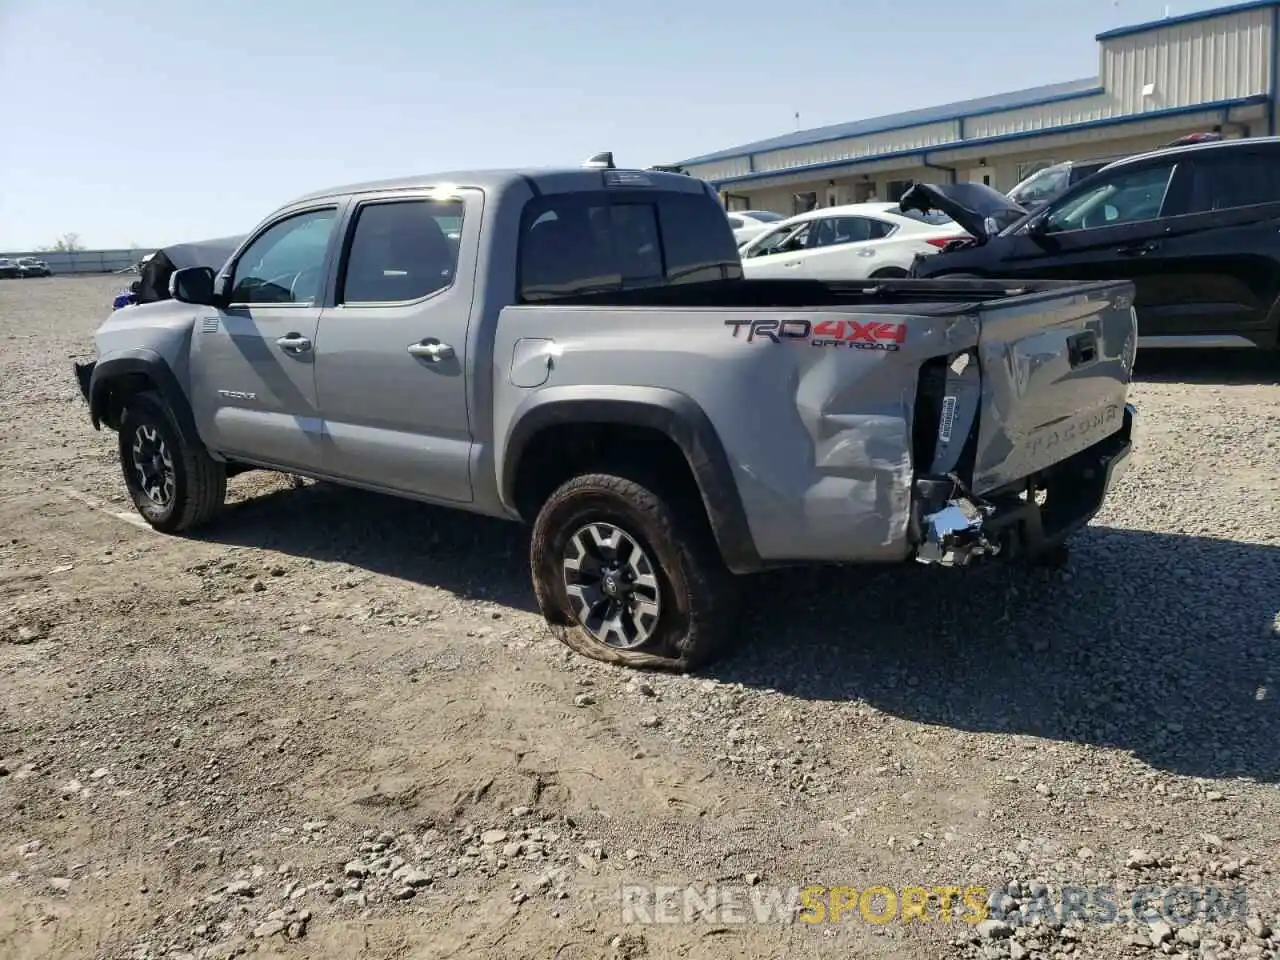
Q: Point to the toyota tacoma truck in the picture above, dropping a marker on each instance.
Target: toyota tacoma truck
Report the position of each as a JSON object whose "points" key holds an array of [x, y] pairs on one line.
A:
{"points": [[577, 349]]}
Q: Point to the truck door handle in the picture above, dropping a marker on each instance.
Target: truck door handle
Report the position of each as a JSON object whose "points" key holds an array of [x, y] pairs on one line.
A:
{"points": [[1138, 249], [430, 350], [294, 343], [793, 263]]}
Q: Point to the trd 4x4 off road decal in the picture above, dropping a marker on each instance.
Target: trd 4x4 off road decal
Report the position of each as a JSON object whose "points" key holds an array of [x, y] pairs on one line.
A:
{"points": [[860, 335]]}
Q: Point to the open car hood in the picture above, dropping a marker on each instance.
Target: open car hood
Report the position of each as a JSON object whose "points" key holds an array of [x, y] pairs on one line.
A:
{"points": [[156, 269], [981, 211]]}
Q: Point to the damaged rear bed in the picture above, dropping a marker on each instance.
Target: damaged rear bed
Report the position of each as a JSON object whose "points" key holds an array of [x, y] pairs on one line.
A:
{"points": [[973, 418]]}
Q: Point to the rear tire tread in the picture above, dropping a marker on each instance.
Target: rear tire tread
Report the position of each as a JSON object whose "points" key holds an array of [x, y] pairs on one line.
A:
{"points": [[693, 575]]}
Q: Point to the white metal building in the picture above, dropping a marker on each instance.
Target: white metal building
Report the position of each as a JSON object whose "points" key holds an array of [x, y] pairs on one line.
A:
{"points": [[1210, 71]]}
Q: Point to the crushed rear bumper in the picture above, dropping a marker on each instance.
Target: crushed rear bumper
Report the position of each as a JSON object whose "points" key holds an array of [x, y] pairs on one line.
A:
{"points": [[956, 530]]}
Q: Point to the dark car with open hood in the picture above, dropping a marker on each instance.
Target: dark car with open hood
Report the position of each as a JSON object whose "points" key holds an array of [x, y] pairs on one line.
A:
{"points": [[156, 268], [1195, 227]]}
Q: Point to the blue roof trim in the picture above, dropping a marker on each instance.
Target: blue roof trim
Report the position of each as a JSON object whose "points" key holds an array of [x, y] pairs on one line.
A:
{"points": [[1003, 138], [979, 107], [1195, 17]]}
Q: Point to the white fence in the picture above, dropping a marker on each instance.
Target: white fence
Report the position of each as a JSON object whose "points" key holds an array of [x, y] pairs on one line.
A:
{"points": [[85, 261]]}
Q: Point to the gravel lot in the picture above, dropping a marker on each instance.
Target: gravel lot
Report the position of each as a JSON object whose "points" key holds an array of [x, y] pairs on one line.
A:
{"points": [[333, 726]]}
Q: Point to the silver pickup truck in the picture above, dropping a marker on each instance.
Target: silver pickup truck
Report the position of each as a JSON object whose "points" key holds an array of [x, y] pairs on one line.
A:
{"points": [[577, 349]]}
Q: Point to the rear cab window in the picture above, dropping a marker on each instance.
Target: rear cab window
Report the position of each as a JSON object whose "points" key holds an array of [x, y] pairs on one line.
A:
{"points": [[595, 241]]}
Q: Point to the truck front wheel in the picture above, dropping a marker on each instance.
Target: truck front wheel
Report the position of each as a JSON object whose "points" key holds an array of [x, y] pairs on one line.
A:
{"points": [[174, 485], [624, 576]]}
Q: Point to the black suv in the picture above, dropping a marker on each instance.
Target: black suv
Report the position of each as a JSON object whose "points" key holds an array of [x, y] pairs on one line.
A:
{"points": [[1196, 228]]}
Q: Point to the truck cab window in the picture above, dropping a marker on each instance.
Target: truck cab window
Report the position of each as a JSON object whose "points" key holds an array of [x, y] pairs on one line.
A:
{"points": [[587, 242], [285, 264], [401, 251]]}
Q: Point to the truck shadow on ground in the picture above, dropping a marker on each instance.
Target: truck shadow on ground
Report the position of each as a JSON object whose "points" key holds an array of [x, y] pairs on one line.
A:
{"points": [[473, 556], [1156, 644], [1227, 367]]}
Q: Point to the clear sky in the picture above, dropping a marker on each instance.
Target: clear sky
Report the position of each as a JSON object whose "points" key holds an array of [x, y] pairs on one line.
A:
{"points": [[154, 123]]}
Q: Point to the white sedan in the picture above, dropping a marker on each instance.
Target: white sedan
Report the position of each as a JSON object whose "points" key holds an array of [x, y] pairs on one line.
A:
{"points": [[854, 242], [747, 224]]}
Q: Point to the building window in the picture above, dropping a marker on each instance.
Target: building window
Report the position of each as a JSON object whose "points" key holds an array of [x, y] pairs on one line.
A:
{"points": [[737, 201], [804, 202]]}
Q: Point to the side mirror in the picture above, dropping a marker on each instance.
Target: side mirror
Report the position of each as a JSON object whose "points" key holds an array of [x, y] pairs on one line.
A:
{"points": [[193, 285]]}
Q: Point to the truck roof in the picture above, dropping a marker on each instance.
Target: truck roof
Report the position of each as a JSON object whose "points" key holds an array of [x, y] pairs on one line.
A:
{"points": [[550, 179]]}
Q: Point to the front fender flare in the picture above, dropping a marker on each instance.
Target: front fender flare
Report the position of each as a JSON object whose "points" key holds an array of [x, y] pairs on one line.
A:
{"points": [[667, 411], [141, 360]]}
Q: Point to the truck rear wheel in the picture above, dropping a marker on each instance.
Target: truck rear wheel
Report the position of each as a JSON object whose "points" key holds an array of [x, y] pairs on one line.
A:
{"points": [[624, 576], [174, 486]]}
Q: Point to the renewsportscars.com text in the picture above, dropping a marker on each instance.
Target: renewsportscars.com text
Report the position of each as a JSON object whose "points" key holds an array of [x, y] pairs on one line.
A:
{"points": [[943, 903]]}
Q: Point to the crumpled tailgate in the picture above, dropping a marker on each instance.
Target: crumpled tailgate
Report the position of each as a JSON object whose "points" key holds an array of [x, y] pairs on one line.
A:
{"points": [[1056, 368]]}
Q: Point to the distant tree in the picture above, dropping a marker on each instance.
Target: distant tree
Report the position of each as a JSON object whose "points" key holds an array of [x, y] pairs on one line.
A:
{"points": [[67, 243]]}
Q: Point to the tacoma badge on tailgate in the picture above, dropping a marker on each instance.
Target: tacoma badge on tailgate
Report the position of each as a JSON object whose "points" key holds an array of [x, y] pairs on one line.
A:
{"points": [[1071, 433]]}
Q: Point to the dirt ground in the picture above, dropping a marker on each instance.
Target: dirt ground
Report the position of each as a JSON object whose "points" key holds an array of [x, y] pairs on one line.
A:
{"points": [[332, 725]]}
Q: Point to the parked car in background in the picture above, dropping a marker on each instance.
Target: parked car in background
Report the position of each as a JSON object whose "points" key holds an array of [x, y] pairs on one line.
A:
{"points": [[32, 267], [9, 268], [852, 242], [1196, 228], [751, 223], [1042, 186]]}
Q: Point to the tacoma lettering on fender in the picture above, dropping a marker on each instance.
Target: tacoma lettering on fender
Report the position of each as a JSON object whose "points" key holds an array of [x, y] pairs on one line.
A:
{"points": [[578, 350]]}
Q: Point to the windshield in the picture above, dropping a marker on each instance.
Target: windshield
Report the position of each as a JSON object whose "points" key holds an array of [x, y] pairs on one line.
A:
{"points": [[764, 216], [775, 240], [1041, 185]]}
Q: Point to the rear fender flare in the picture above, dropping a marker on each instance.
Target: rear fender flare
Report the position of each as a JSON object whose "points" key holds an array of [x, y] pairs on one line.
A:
{"points": [[142, 361], [667, 411]]}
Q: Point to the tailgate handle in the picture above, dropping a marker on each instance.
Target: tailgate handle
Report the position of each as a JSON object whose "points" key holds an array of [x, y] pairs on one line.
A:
{"points": [[1082, 348]]}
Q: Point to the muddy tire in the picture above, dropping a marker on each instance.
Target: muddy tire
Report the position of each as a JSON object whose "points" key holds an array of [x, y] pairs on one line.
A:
{"points": [[174, 486], [626, 576]]}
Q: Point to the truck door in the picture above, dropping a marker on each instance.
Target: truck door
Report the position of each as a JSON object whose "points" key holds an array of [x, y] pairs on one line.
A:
{"points": [[253, 373], [391, 355]]}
